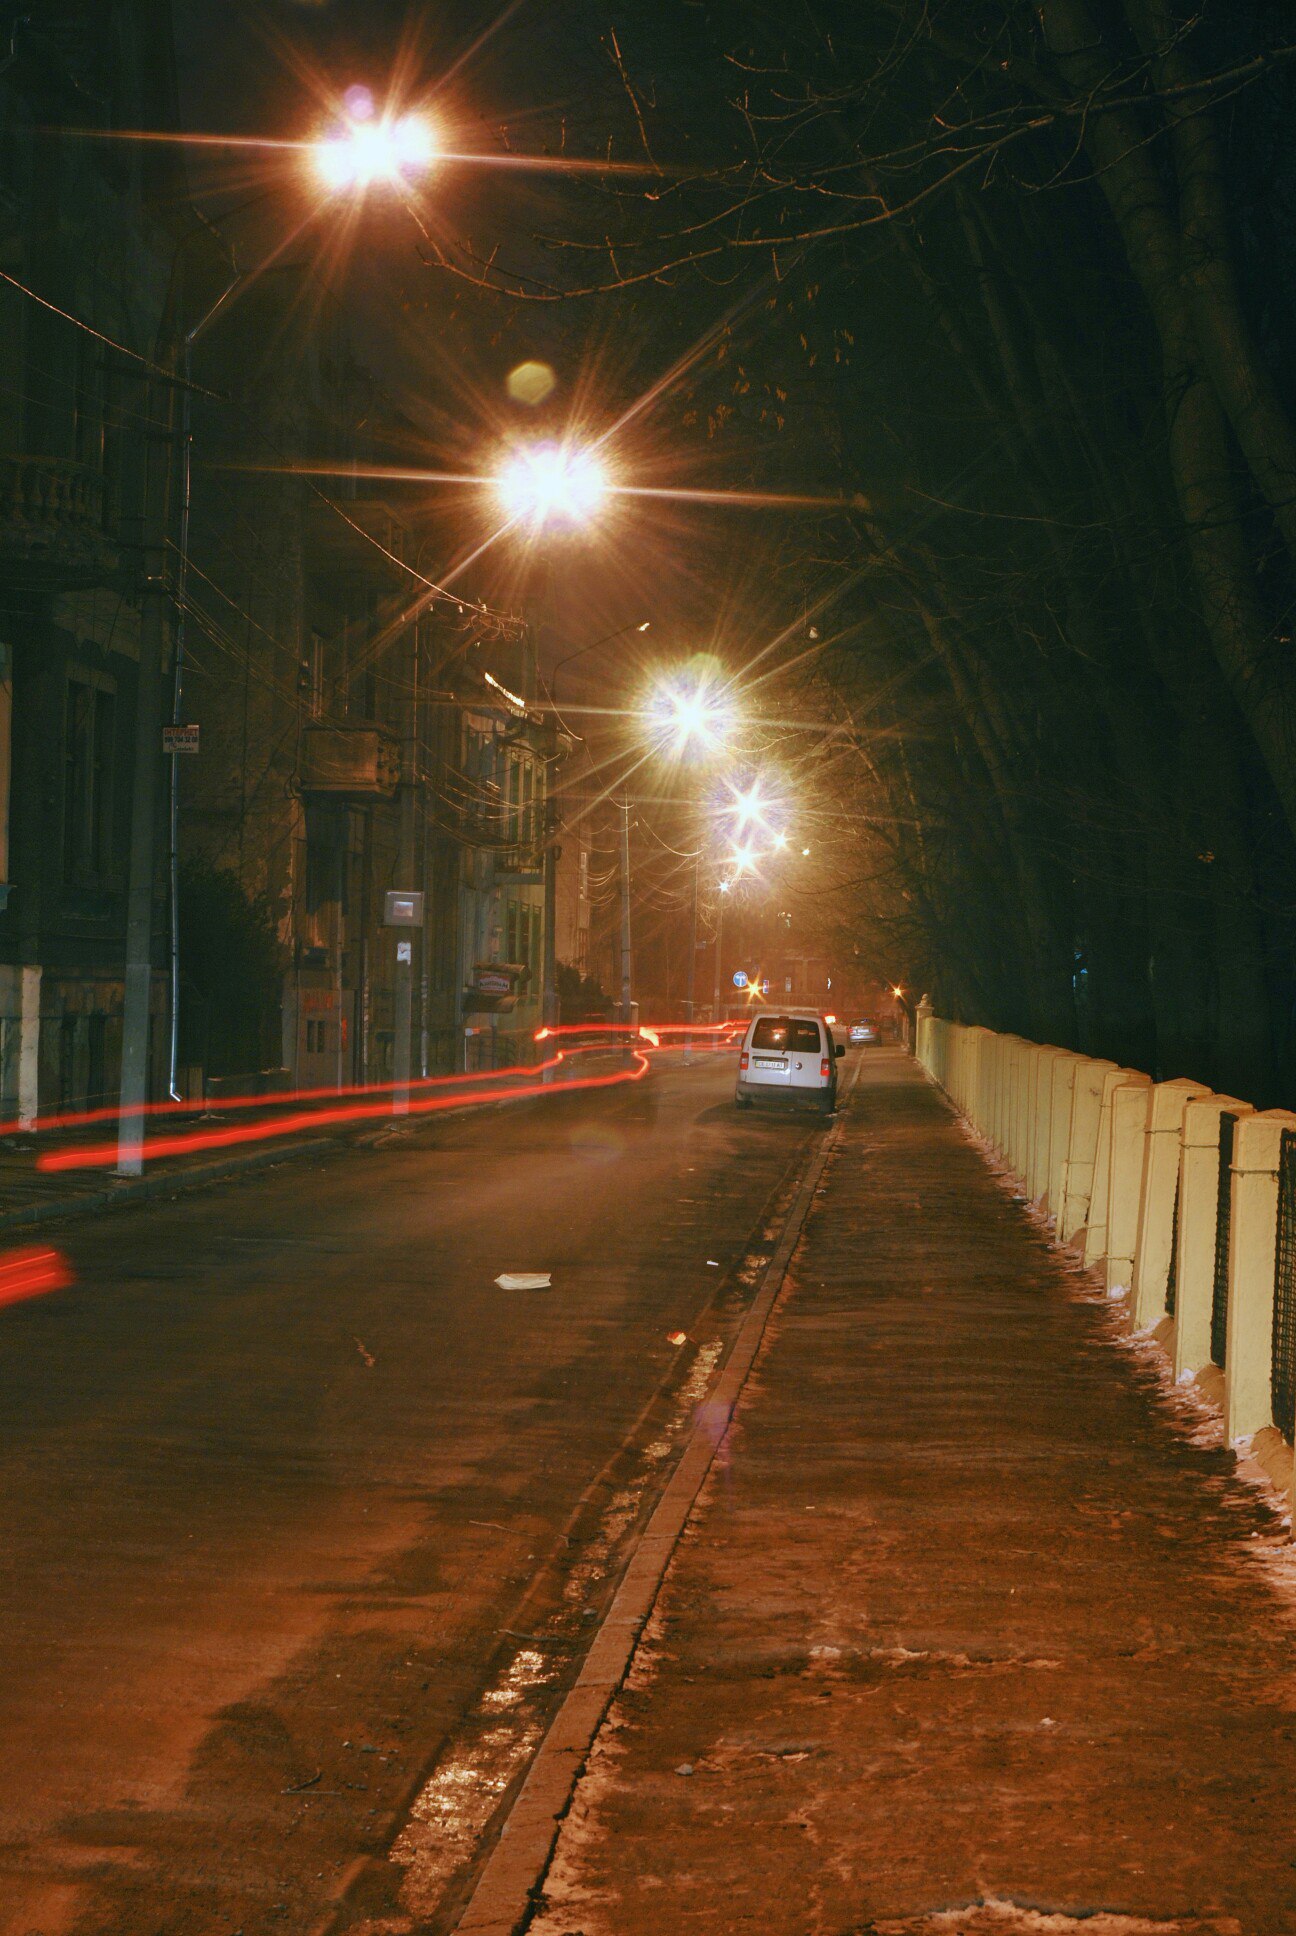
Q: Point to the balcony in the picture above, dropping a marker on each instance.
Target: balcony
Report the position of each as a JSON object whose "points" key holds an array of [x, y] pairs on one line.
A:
{"points": [[349, 762], [51, 522]]}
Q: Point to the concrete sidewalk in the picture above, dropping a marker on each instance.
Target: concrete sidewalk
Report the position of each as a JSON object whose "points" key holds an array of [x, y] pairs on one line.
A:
{"points": [[969, 1633]]}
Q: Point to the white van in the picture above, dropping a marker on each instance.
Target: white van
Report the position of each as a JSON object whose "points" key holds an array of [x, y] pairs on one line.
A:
{"points": [[789, 1059]]}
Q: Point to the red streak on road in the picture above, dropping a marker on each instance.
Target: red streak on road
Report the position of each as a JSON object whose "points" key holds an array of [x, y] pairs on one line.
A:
{"points": [[110, 1112], [79, 1118], [99, 1155], [31, 1273]]}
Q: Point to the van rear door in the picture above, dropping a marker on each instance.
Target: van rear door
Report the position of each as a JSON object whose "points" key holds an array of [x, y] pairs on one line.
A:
{"points": [[805, 1054], [768, 1057]]}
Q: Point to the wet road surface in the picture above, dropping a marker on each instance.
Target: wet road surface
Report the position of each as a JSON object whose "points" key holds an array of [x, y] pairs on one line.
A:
{"points": [[288, 1483]]}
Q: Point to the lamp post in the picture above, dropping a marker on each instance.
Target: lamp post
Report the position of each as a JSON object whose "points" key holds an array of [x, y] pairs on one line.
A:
{"points": [[355, 156], [691, 719], [549, 1008], [724, 887], [541, 485]]}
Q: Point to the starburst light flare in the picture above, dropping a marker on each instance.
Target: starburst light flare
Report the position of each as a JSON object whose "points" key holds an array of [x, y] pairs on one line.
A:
{"points": [[552, 483], [363, 152]]}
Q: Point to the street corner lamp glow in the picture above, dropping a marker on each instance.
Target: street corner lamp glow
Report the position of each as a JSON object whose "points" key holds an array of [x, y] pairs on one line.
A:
{"points": [[361, 152], [552, 484]]}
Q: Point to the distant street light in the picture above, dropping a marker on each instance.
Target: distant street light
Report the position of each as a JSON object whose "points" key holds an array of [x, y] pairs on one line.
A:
{"points": [[363, 153], [552, 484]]}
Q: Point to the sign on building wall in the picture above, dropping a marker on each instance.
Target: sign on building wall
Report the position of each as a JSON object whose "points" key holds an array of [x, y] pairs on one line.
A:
{"points": [[402, 909]]}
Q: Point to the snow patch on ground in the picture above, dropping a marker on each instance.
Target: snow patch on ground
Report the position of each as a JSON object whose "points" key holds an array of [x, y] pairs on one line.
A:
{"points": [[994, 1916]]}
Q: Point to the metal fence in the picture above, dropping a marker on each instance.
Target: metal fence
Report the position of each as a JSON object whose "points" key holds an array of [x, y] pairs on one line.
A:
{"points": [[1223, 1229], [1172, 1273], [1283, 1375]]}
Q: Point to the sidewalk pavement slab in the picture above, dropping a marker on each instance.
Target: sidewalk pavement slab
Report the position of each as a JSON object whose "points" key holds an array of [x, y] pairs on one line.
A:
{"points": [[968, 1635]]}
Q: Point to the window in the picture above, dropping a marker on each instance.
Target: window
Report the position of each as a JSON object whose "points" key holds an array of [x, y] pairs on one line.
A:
{"points": [[313, 681], [512, 830], [771, 1032], [777, 1032], [6, 753], [316, 1037], [89, 727], [528, 830]]}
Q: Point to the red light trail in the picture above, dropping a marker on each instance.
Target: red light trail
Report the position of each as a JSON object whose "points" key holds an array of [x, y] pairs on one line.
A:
{"points": [[31, 1273], [102, 1155]]}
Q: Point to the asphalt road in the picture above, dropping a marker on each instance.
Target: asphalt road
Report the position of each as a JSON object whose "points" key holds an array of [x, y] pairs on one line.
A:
{"points": [[289, 1485]]}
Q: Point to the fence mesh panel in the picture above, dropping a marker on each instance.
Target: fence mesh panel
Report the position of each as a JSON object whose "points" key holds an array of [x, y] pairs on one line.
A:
{"points": [[1283, 1382], [1223, 1227], [1172, 1274]]}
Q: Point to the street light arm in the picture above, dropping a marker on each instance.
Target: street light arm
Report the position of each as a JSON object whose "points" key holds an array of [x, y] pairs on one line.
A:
{"points": [[633, 626]]}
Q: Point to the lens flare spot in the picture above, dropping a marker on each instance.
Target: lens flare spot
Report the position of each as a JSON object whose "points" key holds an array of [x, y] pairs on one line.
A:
{"points": [[531, 383]]}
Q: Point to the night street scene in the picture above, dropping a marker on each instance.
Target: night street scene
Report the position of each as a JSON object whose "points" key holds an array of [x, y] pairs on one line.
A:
{"points": [[647, 967]]}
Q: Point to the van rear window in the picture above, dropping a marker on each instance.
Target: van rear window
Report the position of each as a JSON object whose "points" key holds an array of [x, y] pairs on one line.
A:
{"points": [[778, 1032]]}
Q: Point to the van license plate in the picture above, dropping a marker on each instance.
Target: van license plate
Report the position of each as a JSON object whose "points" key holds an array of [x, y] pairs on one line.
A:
{"points": [[769, 1062]]}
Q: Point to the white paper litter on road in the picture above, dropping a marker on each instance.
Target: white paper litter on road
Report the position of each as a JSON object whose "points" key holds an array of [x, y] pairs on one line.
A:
{"points": [[524, 1280]]}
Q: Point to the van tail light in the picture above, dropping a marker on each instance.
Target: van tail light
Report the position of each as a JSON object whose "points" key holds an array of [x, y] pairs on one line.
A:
{"points": [[742, 1060], [823, 1069]]}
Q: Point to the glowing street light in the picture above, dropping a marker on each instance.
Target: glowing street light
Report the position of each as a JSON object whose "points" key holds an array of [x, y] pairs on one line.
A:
{"points": [[363, 153], [552, 484], [748, 806], [690, 717]]}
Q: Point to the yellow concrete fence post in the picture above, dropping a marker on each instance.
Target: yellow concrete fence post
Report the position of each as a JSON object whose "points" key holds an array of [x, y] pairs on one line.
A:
{"points": [[1154, 1244], [1253, 1218], [1082, 1146], [1097, 1242], [1041, 1124], [1023, 1075], [1130, 1103], [1199, 1205], [922, 1034], [1066, 1069]]}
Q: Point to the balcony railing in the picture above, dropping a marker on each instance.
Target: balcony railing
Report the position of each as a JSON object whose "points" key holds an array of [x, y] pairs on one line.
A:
{"points": [[51, 518]]}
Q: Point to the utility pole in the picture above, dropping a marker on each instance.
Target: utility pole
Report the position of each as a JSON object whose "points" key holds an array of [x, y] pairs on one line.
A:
{"points": [[626, 1015], [403, 1048], [720, 908], [692, 964], [148, 748], [549, 1002]]}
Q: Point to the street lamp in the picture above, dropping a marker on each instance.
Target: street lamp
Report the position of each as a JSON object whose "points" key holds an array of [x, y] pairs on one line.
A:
{"points": [[689, 718], [551, 483], [363, 152], [607, 638]]}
